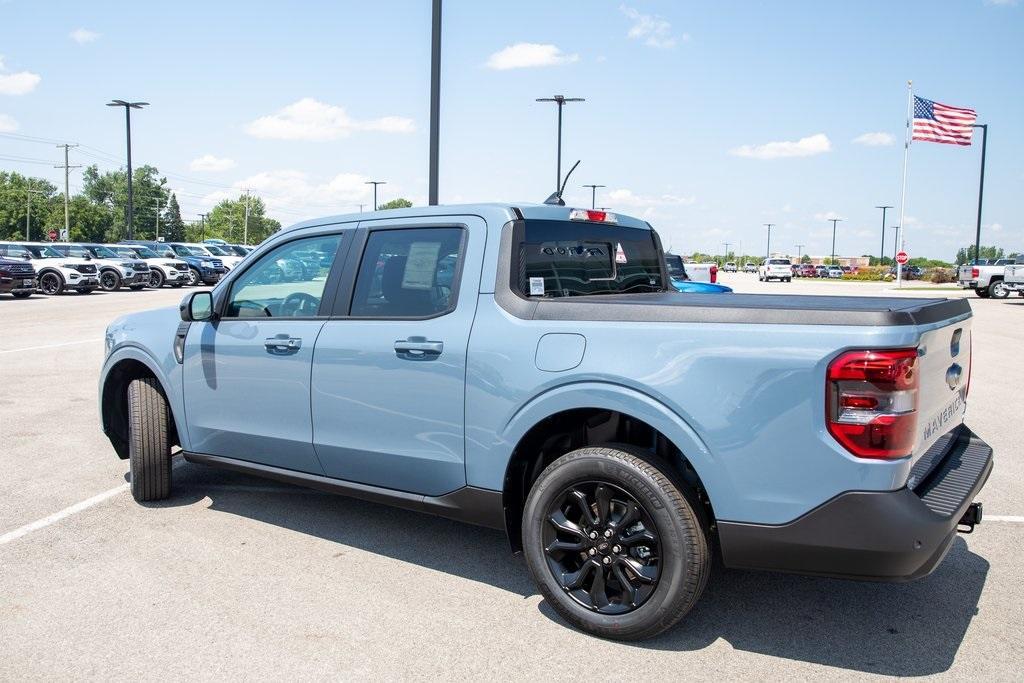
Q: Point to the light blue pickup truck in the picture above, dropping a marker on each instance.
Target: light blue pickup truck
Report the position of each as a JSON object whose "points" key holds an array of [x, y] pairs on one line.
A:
{"points": [[529, 368]]}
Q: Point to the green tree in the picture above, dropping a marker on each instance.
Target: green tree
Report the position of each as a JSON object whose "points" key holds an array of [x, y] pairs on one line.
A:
{"points": [[227, 221], [805, 259], [14, 201], [966, 254], [110, 189], [174, 227], [398, 203]]}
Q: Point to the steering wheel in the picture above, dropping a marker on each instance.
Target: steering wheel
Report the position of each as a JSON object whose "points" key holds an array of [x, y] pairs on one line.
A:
{"points": [[300, 304]]}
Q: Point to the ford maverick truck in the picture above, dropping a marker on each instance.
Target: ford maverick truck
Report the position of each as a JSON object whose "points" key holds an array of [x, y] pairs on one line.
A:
{"points": [[529, 368]]}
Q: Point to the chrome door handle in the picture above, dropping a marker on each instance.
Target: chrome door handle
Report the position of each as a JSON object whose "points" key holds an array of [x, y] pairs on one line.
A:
{"points": [[418, 348], [283, 343]]}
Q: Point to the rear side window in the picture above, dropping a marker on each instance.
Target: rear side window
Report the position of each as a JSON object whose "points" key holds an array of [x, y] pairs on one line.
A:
{"points": [[408, 273], [562, 259], [779, 262]]}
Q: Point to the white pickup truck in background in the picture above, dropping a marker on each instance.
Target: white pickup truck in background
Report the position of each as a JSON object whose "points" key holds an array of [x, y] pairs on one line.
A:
{"points": [[1013, 278], [985, 278]]}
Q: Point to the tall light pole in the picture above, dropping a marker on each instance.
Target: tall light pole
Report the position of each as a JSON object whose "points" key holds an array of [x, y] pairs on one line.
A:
{"points": [[28, 207], [881, 254], [799, 253], [726, 245], [375, 183], [560, 100], [128, 106], [593, 195], [435, 103], [202, 223], [981, 189], [895, 240], [768, 249], [156, 234], [67, 172], [834, 221]]}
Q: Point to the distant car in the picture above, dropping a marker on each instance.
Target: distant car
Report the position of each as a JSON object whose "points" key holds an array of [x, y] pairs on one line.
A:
{"points": [[807, 270], [55, 272], [820, 271], [835, 272], [749, 267], [17, 278], [729, 267], [114, 271], [161, 270], [775, 269]]}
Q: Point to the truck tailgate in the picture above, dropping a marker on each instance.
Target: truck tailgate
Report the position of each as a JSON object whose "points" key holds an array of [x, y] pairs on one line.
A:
{"points": [[944, 367]]}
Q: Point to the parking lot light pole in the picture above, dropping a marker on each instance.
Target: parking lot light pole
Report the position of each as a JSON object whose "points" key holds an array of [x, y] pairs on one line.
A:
{"points": [[799, 251], [560, 100], [881, 253], [128, 106], [981, 189], [768, 249], [895, 241], [375, 183], [834, 221], [593, 195], [202, 224]]}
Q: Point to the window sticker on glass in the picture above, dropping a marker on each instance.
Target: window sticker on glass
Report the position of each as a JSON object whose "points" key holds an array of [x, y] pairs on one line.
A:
{"points": [[420, 265], [620, 255], [536, 286]]}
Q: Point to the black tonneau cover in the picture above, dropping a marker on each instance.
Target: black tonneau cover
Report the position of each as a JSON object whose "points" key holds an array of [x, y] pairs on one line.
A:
{"points": [[781, 309]]}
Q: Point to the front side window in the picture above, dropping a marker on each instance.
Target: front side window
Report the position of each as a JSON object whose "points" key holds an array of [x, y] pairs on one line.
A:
{"points": [[408, 273], [563, 258], [286, 282]]}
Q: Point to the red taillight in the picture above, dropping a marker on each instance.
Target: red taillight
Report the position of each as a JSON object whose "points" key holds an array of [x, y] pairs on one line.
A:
{"points": [[714, 274], [974, 273], [595, 216], [871, 402]]}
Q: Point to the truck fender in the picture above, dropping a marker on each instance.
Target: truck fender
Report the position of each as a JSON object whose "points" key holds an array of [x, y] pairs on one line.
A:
{"points": [[626, 400]]}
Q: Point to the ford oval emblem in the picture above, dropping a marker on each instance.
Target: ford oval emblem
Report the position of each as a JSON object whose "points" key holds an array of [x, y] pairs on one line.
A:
{"points": [[953, 376]]}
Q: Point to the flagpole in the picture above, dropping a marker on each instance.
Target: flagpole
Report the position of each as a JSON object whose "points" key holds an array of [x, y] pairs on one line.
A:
{"points": [[903, 192]]}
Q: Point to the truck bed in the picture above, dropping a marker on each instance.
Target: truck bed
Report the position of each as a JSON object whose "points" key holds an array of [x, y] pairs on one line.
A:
{"points": [[780, 309]]}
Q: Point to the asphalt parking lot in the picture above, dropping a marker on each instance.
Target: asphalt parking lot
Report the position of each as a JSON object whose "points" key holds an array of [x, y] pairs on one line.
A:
{"points": [[239, 577]]}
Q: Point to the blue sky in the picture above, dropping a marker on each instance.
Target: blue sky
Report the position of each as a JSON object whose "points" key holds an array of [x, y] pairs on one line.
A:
{"points": [[303, 102]]}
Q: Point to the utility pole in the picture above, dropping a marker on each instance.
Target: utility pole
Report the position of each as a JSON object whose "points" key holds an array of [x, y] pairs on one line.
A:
{"points": [[834, 221], [128, 106], [202, 223], [375, 183], [768, 250], [28, 208], [726, 258], [67, 173], [799, 253], [881, 253], [593, 195], [156, 233], [245, 225], [435, 103], [981, 189], [560, 100], [895, 240]]}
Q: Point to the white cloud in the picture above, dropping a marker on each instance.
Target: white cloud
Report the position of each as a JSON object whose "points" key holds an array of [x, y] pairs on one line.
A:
{"points": [[7, 124], [529, 55], [653, 30], [83, 36], [874, 139], [804, 147], [208, 162], [295, 194], [627, 198], [1004, 3], [18, 83], [310, 119], [827, 216]]}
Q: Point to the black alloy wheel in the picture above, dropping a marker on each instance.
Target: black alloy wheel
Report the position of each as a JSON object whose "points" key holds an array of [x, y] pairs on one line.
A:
{"points": [[602, 547], [156, 278], [51, 284], [109, 281]]}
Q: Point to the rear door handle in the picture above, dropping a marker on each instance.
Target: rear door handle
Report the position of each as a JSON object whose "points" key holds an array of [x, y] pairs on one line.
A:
{"points": [[418, 348], [283, 343]]}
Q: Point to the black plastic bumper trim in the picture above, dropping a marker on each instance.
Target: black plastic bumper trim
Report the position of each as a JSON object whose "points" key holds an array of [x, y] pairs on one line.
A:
{"points": [[871, 535]]}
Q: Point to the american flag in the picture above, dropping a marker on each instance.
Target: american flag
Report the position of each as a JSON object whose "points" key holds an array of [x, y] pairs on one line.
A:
{"points": [[936, 122]]}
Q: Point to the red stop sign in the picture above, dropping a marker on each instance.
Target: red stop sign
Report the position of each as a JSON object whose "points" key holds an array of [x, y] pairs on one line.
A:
{"points": [[52, 235], [902, 258]]}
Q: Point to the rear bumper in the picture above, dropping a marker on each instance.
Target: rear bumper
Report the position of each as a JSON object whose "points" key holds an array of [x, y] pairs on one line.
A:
{"points": [[965, 284], [873, 535], [18, 284]]}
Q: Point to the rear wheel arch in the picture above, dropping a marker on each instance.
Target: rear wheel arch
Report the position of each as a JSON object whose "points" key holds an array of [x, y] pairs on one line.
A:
{"points": [[114, 403], [575, 428]]}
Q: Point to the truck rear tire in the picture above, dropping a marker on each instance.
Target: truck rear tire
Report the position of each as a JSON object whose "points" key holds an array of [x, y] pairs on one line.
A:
{"points": [[149, 449], [614, 544], [997, 289]]}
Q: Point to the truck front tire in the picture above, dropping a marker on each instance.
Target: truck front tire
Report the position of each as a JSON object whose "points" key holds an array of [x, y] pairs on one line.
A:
{"points": [[613, 543], [997, 289], [149, 449]]}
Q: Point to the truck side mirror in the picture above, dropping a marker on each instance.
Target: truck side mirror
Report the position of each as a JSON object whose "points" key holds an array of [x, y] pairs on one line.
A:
{"points": [[197, 307]]}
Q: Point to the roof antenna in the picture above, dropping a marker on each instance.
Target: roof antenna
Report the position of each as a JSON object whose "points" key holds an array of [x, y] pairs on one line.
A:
{"points": [[556, 197]]}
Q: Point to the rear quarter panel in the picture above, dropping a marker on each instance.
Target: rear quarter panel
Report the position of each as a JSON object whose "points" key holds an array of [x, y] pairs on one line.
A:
{"points": [[744, 403]]}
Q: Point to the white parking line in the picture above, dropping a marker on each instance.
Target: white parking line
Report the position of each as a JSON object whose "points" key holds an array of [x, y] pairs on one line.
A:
{"points": [[63, 514], [53, 346], [1016, 519]]}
